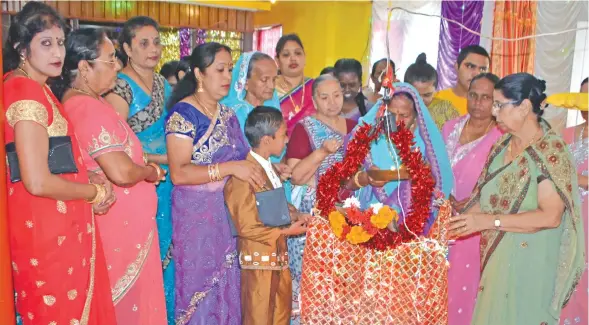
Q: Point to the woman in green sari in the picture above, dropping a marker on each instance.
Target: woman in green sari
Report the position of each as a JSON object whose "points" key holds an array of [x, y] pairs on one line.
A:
{"points": [[526, 206]]}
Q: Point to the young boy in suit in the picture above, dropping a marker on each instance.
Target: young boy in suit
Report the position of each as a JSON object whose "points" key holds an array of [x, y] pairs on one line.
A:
{"points": [[265, 278]]}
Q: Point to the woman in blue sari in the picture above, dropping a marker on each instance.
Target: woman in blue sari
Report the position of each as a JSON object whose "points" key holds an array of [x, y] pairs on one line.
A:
{"points": [[140, 96], [408, 107]]}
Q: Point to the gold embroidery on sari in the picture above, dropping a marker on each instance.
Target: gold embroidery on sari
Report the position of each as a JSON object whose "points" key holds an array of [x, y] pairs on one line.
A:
{"points": [[72, 294], [125, 282], [49, 300], [178, 124], [58, 126], [216, 135], [105, 140], [27, 110], [560, 170], [90, 293], [61, 207], [197, 297]]}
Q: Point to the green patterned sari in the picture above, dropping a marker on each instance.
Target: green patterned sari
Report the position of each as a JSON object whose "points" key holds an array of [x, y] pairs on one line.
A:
{"points": [[528, 277]]}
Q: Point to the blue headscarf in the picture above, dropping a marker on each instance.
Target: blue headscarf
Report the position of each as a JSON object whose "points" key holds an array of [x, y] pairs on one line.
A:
{"points": [[236, 97], [429, 141]]}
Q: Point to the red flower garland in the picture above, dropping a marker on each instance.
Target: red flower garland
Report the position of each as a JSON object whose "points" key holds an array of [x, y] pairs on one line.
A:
{"points": [[422, 185]]}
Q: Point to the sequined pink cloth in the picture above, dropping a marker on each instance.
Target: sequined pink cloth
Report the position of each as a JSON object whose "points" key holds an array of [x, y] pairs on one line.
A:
{"points": [[348, 284]]}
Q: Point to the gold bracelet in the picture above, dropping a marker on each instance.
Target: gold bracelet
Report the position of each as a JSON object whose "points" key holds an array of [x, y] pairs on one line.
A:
{"points": [[217, 173], [357, 180], [145, 159], [100, 194], [211, 173], [157, 170]]}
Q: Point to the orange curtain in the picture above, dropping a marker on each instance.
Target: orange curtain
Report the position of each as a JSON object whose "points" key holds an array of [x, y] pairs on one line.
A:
{"points": [[513, 19], [6, 291]]}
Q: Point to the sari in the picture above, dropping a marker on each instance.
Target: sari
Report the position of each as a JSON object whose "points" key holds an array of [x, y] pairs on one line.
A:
{"points": [[467, 162], [207, 270], [575, 312], [297, 103], [382, 155], [128, 229], [512, 290], [236, 97], [303, 197], [58, 264], [146, 118]]}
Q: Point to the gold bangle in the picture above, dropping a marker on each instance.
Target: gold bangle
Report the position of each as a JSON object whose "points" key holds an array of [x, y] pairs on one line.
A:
{"points": [[210, 170], [217, 173], [100, 194], [157, 170], [357, 180]]}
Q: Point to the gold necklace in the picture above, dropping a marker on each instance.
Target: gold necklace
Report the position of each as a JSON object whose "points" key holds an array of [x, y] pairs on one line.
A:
{"points": [[510, 150], [297, 108], [86, 92], [466, 126], [207, 112], [23, 72]]}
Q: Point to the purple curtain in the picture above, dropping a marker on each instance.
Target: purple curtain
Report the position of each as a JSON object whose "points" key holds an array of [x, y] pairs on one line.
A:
{"points": [[186, 40], [453, 37]]}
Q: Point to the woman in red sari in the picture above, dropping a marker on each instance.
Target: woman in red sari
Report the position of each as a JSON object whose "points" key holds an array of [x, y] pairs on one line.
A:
{"points": [[59, 270], [294, 89]]}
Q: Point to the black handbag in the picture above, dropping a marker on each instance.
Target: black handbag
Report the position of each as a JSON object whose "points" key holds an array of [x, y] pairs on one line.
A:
{"points": [[272, 209], [61, 158]]}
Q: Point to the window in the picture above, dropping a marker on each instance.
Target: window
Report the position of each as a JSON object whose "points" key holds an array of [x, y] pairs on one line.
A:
{"points": [[265, 39]]}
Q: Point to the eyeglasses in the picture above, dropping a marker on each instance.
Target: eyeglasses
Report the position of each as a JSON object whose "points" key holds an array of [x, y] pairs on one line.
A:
{"points": [[499, 106], [111, 62]]}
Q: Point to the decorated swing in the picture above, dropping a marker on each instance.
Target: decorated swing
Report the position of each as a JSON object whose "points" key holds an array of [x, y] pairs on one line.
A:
{"points": [[363, 265]]}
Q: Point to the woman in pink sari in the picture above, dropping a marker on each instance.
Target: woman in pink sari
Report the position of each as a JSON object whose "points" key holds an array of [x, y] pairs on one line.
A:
{"points": [[575, 312], [468, 141], [294, 89], [110, 148]]}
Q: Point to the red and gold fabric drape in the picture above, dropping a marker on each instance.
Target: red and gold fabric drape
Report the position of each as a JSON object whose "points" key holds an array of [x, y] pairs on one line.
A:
{"points": [[513, 19]]}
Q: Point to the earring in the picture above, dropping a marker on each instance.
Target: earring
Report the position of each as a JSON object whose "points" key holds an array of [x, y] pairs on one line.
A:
{"points": [[23, 60], [199, 89]]}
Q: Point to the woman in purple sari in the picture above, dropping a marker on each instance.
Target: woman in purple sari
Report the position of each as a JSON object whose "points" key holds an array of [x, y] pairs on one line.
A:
{"points": [[294, 89], [468, 139], [205, 145]]}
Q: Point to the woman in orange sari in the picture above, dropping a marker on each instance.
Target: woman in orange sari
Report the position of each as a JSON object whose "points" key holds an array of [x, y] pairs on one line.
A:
{"points": [[111, 148], [59, 270], [294, 89]]}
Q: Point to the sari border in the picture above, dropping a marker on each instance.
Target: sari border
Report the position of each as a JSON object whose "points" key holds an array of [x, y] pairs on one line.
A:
{"points": [[569, 206], [210, 129], [295, 89], [88, 303], [199, 296], [125, 282]]}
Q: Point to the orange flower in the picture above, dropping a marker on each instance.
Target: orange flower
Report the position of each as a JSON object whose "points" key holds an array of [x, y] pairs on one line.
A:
{"points": [[384, 216], [358, 235], [337, 221]]}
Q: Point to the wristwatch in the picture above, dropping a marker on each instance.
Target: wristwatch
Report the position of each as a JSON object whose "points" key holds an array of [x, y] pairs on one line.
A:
{"points": [[497, 223]]}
